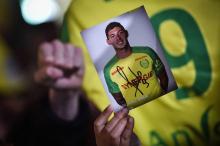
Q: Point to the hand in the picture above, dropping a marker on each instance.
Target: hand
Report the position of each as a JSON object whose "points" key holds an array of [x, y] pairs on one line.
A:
{"points": [[117, 131], [60, 66]]}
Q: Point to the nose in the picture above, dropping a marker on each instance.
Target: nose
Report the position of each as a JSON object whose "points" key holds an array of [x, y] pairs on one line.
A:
{"points": [[118, 37]]}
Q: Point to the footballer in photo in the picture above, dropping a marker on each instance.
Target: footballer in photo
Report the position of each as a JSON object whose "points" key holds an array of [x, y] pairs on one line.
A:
{"points": [[129, 59]]}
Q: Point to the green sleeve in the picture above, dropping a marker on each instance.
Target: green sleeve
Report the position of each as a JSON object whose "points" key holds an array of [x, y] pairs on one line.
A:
{"points": [[112, 86]]}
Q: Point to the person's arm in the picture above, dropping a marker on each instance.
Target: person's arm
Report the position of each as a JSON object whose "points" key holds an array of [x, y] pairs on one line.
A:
{"points": [[116, 132], [163, 79], [113, 87], [119, 99], [61, 68], [160, 70]]}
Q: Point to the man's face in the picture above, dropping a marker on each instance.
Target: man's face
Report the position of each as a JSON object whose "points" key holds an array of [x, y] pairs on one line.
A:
{"points": [[117, 38]]}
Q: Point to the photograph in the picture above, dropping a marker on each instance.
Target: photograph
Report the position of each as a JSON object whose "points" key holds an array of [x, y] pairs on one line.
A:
{"points": [[129, 59]]}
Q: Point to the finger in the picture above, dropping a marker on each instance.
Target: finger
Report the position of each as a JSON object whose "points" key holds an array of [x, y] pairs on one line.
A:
{"points": [[117, 117], [100, 122], [119, 128], [76, 82], [78, 57], [69, 55], [78, 62], [65, 83], [45, 54], [58, 53], [126, 135], [47, 73]]}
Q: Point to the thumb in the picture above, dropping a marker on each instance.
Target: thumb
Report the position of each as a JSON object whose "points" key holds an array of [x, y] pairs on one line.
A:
{"points": [[47, 73]]}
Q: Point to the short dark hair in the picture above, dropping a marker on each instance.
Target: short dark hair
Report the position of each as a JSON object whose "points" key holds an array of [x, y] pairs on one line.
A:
{"points": [[111, 25]]}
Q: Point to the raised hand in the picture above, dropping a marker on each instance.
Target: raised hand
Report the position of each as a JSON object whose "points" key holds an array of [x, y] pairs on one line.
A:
{"points": [[60, 65], [117, 131]]}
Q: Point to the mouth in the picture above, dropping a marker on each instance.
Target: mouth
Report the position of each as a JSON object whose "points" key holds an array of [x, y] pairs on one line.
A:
{"points": [[120, 42]]}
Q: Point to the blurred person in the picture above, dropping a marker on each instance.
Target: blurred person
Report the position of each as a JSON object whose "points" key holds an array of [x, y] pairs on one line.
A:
{"points": [[66, 116], [52, 120]]}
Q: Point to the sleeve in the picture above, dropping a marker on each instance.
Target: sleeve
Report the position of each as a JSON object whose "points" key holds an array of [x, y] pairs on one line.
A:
{"points": [[158, 66], [157, 63], [112, 86]]}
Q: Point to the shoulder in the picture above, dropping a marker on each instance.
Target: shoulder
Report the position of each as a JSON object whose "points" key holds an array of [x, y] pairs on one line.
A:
{"points": [[144, 49], [110, 63]]}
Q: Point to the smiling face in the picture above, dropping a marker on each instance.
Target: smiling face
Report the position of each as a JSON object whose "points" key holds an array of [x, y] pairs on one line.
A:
{"points": [[117, 37]]}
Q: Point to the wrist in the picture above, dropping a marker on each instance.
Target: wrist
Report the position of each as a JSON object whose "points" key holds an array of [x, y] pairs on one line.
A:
{"points": [[64, 103], [65, 94]]}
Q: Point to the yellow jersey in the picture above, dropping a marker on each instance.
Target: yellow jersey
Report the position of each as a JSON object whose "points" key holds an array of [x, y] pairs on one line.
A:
{"points": [[135, 76], [189, 35]]}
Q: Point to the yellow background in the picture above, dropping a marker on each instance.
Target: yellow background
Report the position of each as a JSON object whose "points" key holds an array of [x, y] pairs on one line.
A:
{"points": [[166, 121]]}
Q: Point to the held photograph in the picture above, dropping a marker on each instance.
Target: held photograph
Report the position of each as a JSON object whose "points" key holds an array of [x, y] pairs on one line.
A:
{"points": [[129, 60]]}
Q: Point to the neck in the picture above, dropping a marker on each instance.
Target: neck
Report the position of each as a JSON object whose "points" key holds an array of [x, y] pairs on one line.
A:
{"points": [[123, 53]]}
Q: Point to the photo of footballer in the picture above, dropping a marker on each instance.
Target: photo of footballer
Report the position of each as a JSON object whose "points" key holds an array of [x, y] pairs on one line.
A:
{"points": [[131, 74], [134, 72]]}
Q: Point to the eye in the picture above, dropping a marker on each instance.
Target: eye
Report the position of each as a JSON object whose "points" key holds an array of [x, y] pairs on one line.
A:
{"points": [[121, 32], [112, 36]]}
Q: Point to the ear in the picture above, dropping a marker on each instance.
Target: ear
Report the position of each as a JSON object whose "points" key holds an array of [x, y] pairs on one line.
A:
{"points": [[126, 33], [109, 42]]}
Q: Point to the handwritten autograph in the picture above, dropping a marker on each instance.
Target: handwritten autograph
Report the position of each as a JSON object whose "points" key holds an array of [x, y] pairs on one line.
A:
{"points": [[135, 82]]}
